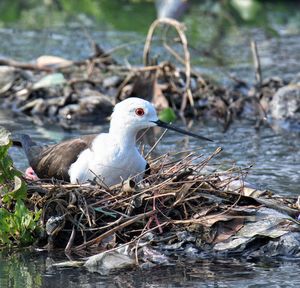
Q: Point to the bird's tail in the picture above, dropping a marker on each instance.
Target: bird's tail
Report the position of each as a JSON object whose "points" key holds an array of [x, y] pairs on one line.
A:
{"points": [[24, 141]]}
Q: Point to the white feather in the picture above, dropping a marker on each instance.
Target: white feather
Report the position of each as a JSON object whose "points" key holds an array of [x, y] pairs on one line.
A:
{"points": [[114, 156]]}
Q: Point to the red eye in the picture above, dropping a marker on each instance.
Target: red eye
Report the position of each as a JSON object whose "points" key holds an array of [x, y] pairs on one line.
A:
{"points": [[139, 111]]}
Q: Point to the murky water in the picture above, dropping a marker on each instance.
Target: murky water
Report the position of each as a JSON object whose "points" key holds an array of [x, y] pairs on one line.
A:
{"points": [[31, 270], [219, 43]]}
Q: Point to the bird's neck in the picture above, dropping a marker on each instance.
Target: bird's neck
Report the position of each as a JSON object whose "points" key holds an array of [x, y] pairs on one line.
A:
{"points": [[123, 134]]}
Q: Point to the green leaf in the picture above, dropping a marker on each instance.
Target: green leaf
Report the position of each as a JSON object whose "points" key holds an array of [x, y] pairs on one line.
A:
{"points": [[19, 191], [17, 223], [167, 115]]}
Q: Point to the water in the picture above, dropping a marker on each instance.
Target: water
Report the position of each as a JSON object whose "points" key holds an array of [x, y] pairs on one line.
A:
{"points": [[219, 41], [31, 270]]}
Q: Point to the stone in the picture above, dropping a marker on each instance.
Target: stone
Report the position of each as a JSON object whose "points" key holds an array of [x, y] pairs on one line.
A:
{"points": [[7, 78], [285, 103], [98, 105], [111, 81]]}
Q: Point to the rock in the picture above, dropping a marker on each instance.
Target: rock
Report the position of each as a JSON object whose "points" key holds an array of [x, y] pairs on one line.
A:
{"points": [[285, 103], [53, 224], [88, 108], [7, 78], [268, 224], [52, 110], [97, 105], [69, 111], [111, 81], [108, 260], [49, 81], [273, 82], [4, 136], [286, 246], [50, 61], [296, 79]]}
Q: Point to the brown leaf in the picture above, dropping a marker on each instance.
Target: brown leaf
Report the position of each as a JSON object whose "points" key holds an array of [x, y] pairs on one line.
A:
{"points": [[227, 229], [159, 99]]}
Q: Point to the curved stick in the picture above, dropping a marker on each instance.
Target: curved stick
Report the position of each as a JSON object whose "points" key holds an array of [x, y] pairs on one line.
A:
{"points": [[180, 30]]}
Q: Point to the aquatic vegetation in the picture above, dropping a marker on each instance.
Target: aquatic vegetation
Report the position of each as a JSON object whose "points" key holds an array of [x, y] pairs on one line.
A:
{"points": [[18, 225]]}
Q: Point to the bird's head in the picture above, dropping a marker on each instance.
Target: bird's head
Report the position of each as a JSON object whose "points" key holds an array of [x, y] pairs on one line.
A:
{"points": [[136, 114]]}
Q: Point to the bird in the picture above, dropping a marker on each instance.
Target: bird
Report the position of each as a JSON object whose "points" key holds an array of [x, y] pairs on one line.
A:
{"points": [[113, 156]]}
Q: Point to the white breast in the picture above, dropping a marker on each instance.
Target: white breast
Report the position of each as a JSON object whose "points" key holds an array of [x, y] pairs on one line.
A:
{"points": [[107, 159]]}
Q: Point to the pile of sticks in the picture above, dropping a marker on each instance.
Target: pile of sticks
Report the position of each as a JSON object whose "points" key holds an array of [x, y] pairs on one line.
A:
{"points": [[177, 193]]}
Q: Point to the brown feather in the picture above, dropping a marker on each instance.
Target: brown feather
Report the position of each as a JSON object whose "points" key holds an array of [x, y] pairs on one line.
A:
{"points": [[55, 160]]}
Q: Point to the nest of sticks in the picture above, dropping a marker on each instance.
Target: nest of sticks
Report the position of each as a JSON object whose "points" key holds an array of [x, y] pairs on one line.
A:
{"points": [[177, 196]]}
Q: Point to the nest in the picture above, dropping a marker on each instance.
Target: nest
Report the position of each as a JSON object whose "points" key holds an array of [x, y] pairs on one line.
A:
{"points": [[177, 196]]}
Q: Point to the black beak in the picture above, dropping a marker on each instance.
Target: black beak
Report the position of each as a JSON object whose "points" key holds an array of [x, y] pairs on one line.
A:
{"points": [[179, 130]]}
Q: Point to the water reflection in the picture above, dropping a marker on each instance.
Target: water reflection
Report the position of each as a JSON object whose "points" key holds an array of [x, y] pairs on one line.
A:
{"points": [[20, 269], [33, 269]]}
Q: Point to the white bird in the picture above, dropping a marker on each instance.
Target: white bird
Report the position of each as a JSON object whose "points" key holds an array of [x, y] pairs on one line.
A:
{"points": [[113, 156]]}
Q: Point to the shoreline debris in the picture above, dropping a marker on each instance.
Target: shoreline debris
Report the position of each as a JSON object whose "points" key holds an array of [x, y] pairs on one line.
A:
{"points": [[62, 91]]}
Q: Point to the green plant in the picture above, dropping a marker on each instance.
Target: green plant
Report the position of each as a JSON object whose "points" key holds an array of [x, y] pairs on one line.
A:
{"points": [[18, 224], [167, 115]]}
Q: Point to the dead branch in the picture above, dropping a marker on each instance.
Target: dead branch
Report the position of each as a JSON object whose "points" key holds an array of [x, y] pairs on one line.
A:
{"points": [[180, 30]]}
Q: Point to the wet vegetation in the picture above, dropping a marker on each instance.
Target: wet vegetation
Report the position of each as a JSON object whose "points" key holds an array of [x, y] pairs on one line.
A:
{"points": [[18, 224]]}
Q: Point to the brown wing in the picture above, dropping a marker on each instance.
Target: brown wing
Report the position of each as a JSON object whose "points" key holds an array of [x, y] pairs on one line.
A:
{"points": [[54, 161]]}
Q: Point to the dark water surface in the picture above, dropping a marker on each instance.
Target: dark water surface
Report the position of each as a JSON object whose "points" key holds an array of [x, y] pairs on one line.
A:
{"points": [[219, 33], [33, 269]]}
